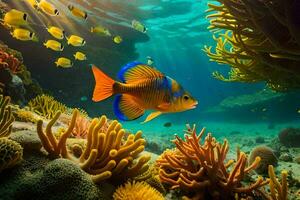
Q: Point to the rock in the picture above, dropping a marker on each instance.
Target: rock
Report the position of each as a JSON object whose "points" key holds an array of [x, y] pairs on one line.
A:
{"points": [[40, 179], [29, 140], [286, 157], [290, 137], [260, 140], [297, 159]]}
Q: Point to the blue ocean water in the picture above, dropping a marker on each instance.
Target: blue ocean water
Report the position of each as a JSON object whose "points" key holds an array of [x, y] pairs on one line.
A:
{"points": [[176, 33]]}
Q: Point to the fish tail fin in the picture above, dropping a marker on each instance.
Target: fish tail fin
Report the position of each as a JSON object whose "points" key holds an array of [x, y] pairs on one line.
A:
{"points": [[92, 29], [104, 85]]}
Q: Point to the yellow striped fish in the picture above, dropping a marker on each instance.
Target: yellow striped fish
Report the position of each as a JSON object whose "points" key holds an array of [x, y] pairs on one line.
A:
{"points": [[141, 88]]}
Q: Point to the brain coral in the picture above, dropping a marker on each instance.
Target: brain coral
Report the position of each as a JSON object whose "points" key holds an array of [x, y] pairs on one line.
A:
{"points": [[11, 153], [267, 158], [137, 190]]}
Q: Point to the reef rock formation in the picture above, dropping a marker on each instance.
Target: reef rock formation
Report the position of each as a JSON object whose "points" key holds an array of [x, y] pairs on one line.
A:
{"points": [[259, 40]]}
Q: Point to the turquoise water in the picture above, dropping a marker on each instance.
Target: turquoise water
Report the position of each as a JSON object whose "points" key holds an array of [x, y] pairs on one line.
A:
{"points": [[176, 33]]}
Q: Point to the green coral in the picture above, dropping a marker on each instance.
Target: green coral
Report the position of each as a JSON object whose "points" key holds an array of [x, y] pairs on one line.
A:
{"points": [[11, 153], [6, 118], [46, 106]]}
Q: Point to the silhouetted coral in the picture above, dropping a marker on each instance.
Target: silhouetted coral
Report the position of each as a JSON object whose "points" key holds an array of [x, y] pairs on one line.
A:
{"points": [[6, 118], [267, 158], [137, 190], [290, 137], [107, 155], [202, 169], [258, 39], [46, 106]]}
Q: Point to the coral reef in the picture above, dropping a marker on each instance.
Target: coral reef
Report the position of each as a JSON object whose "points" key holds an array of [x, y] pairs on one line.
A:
{"points": [[290, 137], [11, 153], [258, 39], [137, 190], [107, 155], [46, 106], [6, 118], [15, 79], [201, 168], [267, 158], [9, 61]]}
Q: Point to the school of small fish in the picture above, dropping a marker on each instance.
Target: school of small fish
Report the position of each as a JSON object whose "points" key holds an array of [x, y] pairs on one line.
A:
{"points": [[17, 22]]}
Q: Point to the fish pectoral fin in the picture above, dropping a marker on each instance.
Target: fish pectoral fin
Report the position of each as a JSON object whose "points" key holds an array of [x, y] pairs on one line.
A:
{"points": [[164, 106], [126, 108], [152, 116]]}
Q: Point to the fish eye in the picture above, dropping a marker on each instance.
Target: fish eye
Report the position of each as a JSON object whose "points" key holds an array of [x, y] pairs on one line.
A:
{"points": [[25, 17], [56, 12], [31, 34], [63, 32], [186, 97], [70, 7]]}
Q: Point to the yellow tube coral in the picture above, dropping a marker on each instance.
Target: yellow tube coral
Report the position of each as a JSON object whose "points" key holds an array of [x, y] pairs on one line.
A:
{"points": [[258, 40], [107, 154], [278, 191]]}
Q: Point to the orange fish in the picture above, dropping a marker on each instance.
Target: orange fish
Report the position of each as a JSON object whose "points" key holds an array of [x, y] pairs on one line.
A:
{"points": [[142, 88]]}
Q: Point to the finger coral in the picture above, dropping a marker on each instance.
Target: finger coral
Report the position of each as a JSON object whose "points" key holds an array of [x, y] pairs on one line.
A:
{"points": [[137, 190], [107, 154], [6, 118], [46, 106], [202, 168], [258, 39], [278, 191]]}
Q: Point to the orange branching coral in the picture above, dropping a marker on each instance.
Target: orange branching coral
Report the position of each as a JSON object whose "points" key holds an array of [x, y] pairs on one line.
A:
{"points": [[202, 168], [81, 127], [278, 191], [9, 61], [137, 191], [107, 155], [258, 39]]}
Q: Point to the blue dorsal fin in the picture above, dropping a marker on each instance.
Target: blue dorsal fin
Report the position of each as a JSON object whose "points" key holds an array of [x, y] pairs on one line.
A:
{"points": [[125, 68], [136, 71]]}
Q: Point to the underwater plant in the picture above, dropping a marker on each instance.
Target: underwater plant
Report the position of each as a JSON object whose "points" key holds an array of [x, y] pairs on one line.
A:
{"points": [[46, 106], [107, 155], [259, 40], [203, 169], [137, 190]]}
